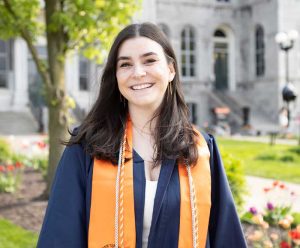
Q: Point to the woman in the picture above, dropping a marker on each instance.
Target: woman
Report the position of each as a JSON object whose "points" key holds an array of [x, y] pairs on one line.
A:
{"points": [[136, 173]]}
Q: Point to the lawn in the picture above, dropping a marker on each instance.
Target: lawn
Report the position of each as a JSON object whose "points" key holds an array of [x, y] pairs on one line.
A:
{"points": [[280, 162], [12, 236]]}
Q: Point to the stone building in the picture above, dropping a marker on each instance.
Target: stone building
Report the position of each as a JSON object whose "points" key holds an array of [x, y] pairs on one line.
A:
{"points": [[227, 54]]}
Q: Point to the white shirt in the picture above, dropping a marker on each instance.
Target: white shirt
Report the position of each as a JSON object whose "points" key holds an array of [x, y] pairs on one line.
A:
{"points": [[150, 191]]}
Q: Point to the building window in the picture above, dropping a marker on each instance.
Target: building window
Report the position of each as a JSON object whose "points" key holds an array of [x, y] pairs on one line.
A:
{"points": [[188, 48], [5, 62], [193, 112], [259, 51], [84, 66]]}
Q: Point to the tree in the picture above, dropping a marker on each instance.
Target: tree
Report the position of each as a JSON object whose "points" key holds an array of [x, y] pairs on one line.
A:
{"points": [[69, 25]]}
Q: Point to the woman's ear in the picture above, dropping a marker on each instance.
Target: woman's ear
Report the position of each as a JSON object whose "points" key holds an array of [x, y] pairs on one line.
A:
{"points": [[172, 72]]}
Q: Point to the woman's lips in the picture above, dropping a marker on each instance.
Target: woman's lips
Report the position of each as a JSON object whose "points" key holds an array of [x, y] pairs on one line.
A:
{"points": [[141, 86]]}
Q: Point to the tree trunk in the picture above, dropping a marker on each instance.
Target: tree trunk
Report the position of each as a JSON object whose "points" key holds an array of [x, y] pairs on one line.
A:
{"points": [[57, 132], [56, 91]]}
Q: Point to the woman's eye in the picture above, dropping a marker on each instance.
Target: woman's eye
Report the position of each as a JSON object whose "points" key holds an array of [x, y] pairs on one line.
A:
{"points": [[124, 65], [149, 61]]}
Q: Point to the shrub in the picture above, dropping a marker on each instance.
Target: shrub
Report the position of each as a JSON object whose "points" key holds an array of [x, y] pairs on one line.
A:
{"points": [[236, 177], [10, 176], [5, 152], [287, 158], [266, 157], [295, 150]]}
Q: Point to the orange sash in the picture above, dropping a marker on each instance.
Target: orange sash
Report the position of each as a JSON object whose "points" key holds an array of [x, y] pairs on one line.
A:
{"points": [[103, 201]]}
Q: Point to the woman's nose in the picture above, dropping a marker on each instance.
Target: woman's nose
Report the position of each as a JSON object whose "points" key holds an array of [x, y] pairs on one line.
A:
{"points": [[139, 71]]}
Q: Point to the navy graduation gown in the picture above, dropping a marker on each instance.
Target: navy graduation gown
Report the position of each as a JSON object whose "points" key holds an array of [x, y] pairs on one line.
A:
{"points": [[67, 216]]}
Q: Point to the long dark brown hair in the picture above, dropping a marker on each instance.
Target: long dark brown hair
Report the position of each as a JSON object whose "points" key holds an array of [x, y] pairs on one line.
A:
{"points": [[103, 127]]}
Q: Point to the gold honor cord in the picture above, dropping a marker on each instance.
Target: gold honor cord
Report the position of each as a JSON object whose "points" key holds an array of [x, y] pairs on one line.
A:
{"points": [[119, 209]]}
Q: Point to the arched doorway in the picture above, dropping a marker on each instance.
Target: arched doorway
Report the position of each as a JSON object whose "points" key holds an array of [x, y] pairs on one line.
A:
{"points": [[221, 60]]}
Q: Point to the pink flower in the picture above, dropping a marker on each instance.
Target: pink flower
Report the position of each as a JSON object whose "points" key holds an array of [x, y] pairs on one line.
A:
{"points": [[270, 206], [253, 210]]}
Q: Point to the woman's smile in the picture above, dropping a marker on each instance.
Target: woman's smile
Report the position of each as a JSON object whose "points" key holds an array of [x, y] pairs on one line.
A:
{"points": [[141, 86], [143, 73]]}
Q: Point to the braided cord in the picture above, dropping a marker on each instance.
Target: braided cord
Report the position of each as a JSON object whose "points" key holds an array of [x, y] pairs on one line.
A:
{"points": [[117, 198], [193, 207], [119, 209], [121, 230]]}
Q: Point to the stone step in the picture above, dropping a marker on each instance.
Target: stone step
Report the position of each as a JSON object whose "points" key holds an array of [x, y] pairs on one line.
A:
{"points": [[17, 123]]}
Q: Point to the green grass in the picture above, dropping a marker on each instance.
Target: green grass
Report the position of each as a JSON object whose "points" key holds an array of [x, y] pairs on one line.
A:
{"points": [[12, 236], [281, 162]]}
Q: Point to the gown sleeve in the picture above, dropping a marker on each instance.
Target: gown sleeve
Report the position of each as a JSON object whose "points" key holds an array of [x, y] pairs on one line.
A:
{"points": [[224, 225], [65, 223]]}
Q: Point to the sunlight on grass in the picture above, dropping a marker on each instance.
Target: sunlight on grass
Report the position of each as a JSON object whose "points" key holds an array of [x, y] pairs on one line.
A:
{"points": [[280, 162], [12, 236]]}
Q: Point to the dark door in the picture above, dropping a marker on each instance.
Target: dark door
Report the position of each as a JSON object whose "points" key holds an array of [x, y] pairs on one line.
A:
{"points": [[221, 65]]}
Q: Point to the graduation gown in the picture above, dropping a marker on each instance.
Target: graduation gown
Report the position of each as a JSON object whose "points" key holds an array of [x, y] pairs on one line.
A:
{"points": [[66, 220]]}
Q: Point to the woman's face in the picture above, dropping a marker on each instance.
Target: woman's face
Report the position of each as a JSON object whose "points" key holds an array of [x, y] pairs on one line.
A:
{"points": [[143, 73]]}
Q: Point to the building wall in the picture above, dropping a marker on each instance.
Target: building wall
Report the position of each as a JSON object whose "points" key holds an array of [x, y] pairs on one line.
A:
{"points": [[289, 19], [262, 90]]}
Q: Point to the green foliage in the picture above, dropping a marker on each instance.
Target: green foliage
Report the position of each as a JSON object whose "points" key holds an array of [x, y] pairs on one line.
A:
{"points": [[87, 25], [273, 216], [266, 157], [24, 17], [296, 217], [9, 182], [41, 164], [236, 177], [295, 150], [12, 236], [5, 152], [287, 158]]}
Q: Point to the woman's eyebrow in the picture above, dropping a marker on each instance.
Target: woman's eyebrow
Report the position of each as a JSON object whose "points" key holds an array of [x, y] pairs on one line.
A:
{"points": [[148, 54], [142, 56], [123, 58]]}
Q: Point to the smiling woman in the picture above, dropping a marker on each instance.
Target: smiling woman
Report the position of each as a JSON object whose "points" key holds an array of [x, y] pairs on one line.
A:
{"points": [[143, 73], [136, 173]]}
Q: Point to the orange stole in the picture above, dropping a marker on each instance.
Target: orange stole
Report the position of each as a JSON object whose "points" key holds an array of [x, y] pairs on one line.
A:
{"points": [[102, 214]]}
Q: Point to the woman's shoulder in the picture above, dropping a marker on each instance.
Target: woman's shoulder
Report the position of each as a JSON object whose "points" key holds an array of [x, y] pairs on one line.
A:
{"points": [[209, 138], [77, 153]]}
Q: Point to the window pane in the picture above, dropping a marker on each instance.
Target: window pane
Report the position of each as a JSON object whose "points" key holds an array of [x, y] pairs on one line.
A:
{"points": [[192, 72], [183, 71], [83, 67], [3, 80], [259, 46], [183, 34], [183, 44], [192, 59], [83, 83], [2, 46], [183, 61], [192, 45], [191, 34], [2, 63]]}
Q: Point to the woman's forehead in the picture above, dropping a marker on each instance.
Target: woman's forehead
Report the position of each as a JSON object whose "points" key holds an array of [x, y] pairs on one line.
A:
{"points": [[138, 46]]}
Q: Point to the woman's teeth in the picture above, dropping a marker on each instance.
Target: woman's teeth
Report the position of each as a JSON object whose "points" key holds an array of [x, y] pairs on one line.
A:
{"points": [[141, 86]]}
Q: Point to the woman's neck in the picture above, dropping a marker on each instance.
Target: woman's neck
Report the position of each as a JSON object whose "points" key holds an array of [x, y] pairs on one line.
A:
{"points": [[142, 119]]}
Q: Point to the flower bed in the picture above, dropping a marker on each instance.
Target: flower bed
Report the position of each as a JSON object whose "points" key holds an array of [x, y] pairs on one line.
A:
{"points": [[276, 225], [11, 165]]}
